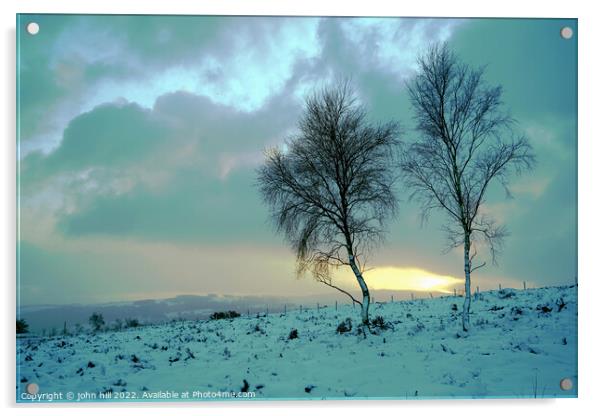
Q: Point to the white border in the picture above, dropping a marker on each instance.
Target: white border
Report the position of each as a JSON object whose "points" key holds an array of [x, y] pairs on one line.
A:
{"points": [[590, 152]]}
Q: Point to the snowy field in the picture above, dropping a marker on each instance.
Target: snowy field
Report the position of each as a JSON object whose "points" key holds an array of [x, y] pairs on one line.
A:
{"points": [[522, 343]]}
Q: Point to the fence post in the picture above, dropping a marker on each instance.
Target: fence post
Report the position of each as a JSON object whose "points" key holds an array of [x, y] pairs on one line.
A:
{"points": [[524, 285], [335, 306], [267, 310], [318, 306], [455, 292], [300, 308], [391, 298], [285, 308], [500, 286], [412, 296]]}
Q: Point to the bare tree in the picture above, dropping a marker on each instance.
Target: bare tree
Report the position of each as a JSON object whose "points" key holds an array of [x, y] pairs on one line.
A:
{"points": [[467, 141], [330, 190]]}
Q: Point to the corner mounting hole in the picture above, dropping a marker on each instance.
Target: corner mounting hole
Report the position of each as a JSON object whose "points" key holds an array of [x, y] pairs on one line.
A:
{"points": [[33, 28], [32, 388], [566, 384], [566, 32]]}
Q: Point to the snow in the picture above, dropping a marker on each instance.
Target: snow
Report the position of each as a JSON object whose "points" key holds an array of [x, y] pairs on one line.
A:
{"points": [[521, 344]]}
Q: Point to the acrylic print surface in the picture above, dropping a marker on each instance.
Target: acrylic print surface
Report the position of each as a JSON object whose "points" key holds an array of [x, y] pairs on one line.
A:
{"points": [[292, 208]]}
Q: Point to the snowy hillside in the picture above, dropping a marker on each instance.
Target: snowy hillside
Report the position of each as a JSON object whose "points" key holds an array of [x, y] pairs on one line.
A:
{"points": [[522, 344]]}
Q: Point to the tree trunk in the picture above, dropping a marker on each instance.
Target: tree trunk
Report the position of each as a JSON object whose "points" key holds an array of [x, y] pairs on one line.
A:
{"points": [[466, 310], [364, 287]]}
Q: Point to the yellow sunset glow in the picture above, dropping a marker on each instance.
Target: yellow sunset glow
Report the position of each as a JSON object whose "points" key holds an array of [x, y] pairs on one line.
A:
{"points": [[409, 278]]}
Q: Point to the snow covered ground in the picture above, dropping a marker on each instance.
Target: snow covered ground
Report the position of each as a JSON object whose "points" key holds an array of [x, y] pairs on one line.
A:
{"points": [[522, 343]]}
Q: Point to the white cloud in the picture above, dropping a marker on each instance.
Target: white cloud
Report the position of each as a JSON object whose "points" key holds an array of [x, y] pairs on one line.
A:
{"points": [[395, 43], [242, 66], [257, 64]]}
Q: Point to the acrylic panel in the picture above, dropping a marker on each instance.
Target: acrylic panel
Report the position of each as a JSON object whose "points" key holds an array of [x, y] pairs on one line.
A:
{"points": [[295, 208]]}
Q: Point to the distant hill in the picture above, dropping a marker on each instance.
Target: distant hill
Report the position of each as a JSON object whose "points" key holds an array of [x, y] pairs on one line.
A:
{"points": [[47, 317]]}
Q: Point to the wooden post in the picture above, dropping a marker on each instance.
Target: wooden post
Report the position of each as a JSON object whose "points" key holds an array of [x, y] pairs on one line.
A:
{"points": [[335, 305], [455, 292], [391, 298], [248, 312], [300, 308], [267, 310], [500, 286], [524, 285], [412, 296], [477, 289], [285, 308]]}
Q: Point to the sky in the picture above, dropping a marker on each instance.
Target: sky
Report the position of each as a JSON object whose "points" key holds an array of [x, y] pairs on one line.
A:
{"points": [[139, 138]]}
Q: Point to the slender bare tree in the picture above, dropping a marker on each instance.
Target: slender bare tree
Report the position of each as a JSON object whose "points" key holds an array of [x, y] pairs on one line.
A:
{"points": [[329, 189], [466, 142]]}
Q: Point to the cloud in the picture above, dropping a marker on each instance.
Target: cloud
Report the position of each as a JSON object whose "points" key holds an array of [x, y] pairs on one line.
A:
{"points": [[247, 62], [192, 208], [234, 61], [391, 44], [181, 170], [239, 62], [111, 134], [535, 187]]}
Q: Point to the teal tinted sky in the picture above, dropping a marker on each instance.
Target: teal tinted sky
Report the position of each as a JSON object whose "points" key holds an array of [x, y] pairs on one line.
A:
{"points": [[139, 138]]}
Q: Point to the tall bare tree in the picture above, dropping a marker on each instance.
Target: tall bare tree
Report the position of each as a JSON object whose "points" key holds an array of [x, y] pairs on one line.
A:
{"points": [[466, 142], [330, 190]]}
